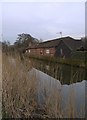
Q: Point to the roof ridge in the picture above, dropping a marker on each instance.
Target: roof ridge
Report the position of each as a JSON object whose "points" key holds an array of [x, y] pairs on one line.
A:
{"points": [[58, 39]]}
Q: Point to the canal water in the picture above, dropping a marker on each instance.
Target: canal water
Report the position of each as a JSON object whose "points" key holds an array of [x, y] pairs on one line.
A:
{"points": [[66, 74], [70, 98], [60, 84]]}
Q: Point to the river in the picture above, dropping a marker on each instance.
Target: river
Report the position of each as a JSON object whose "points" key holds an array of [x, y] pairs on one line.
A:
{"points": [[66, 74], [61, 83]]}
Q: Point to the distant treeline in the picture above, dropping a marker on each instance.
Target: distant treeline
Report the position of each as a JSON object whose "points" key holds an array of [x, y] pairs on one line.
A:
{"points": [[23, 41]]}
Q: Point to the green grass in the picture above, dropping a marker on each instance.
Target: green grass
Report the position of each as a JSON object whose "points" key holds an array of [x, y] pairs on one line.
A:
{"points": [[67, 61], [79, 55]]}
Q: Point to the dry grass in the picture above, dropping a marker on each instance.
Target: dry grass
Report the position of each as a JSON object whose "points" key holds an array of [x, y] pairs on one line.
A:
{"points": [[20, 96], [53, 104], [0, 84], [19, 92]]}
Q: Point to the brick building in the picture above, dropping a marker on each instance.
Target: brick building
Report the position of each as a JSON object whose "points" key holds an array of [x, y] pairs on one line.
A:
{"points": [[62, 47]]}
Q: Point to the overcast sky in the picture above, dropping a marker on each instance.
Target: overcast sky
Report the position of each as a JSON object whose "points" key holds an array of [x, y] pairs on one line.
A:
{"points": [[43, 19]]}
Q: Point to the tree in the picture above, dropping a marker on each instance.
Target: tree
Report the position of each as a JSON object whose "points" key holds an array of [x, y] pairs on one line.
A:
{"points": [[5, 46], [24, 40]]}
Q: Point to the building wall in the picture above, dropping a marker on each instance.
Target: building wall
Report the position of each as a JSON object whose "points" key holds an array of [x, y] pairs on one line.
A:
{"points": [[49, 51], [62, 50], [42, 51], [31, 51]]}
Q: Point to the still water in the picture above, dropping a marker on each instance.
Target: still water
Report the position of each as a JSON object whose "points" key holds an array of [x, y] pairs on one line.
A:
{"points": [[62, 84], [68, 96], [66, 74]]}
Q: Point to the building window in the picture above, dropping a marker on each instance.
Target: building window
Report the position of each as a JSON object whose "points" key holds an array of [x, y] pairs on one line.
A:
{"points": [[47, 51], [29, 51], [41, 52]]}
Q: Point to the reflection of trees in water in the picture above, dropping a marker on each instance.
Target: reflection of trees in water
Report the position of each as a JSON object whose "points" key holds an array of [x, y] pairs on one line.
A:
{"points": [[65, 73]]}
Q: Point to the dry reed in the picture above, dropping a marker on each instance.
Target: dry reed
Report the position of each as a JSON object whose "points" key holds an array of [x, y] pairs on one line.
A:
{"points": [[20, 96], [19, 92]]}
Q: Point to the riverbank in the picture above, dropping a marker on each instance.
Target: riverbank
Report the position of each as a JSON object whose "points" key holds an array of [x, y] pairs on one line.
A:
{"points": [[67, 61], [20, 88], [0, 84]]}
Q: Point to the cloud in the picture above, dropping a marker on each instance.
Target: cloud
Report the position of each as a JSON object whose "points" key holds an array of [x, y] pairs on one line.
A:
{"points": [[43, 20]]}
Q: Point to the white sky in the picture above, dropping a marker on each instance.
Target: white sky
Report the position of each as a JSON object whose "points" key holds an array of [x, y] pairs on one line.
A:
{"points": [[43, 19], [42, 0]]}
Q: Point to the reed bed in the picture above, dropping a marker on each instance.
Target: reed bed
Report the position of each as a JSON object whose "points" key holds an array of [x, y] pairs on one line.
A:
{"points": [[19, 92], [19, 96], [0, 83]]}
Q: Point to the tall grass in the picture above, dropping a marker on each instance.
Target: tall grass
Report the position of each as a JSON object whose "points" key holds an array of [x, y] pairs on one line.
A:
{"points": [[19, 98], [0, 83], [67, 61], [55, 106], [19, 92]]}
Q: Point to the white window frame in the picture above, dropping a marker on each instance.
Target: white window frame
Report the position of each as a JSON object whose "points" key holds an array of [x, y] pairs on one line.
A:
{"points": [[47, 51], [29, 51]]}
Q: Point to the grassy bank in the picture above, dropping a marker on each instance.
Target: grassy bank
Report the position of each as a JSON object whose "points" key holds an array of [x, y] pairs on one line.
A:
{"points": [[20, 96], [67, 61], [0, 84], [19, 91]]}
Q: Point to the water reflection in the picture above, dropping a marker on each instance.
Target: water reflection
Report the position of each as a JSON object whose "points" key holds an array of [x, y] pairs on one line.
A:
{"points": [[69, 98], [67, 74]]}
